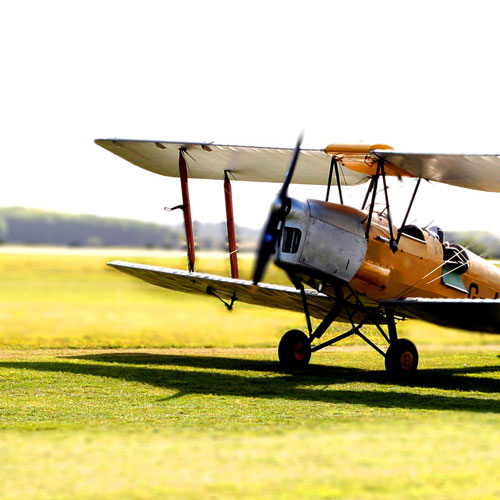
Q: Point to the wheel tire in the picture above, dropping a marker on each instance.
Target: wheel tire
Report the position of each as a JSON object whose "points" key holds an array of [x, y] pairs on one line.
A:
{"points": [[294, 351], [401, 359]]}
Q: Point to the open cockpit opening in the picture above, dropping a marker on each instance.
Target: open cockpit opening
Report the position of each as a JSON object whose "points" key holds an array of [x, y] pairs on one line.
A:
{"points": [[414, 232]]}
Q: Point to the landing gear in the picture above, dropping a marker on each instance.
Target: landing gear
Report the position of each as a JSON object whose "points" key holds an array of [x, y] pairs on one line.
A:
{"points": [[294, 350], [401, 359]]}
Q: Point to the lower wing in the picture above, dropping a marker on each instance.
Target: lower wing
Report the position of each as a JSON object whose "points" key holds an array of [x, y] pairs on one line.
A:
{"points": [[230, 290], [466, 314], [480, 315]]}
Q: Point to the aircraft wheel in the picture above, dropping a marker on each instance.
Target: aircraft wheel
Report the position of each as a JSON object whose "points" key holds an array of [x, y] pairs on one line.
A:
{"points": [[294, 351], [401, 359]]}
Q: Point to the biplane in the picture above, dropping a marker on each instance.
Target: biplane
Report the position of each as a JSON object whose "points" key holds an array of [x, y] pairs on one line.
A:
{"points": [[346, 264]]}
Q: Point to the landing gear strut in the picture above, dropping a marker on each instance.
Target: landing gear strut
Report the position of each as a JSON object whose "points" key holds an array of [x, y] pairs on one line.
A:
{"points": [[401, 357]]}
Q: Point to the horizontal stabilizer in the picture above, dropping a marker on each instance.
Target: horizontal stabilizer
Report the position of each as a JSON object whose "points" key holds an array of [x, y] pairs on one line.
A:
{"points": [[479, 315], [263, 294]]}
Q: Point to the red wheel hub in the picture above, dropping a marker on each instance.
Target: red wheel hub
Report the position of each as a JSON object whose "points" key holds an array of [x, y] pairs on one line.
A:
{"points": [[406, 360], [299, 351]]}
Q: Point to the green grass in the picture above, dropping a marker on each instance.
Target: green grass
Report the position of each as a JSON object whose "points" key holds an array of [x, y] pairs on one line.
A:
{"points": [[206, 423], [74, 300], [140, 422], [51, 300]]}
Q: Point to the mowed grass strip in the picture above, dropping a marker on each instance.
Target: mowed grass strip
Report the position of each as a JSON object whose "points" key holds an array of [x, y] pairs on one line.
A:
{"points": [[73, 299], [226, 423], [192, 423]]}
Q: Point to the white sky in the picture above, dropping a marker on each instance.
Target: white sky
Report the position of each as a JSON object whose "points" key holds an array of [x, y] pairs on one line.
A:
{"points": [[420, 76]]}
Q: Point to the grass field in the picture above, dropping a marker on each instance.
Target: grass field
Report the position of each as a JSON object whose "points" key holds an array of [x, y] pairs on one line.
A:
{"points": [[72, 299], [75, 300], [140, 419]]}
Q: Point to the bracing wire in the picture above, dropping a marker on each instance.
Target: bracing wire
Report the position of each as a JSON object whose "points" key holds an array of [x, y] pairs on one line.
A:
{"points": [[439, 266]]}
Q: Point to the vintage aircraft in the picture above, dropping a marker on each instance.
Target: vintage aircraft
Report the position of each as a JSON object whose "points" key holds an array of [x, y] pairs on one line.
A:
{"points": [[359, 267]]}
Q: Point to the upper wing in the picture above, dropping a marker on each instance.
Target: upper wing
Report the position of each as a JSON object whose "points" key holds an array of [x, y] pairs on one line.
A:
{"points": [[480, 172], [248, 163], [480, 315], [245, 163]]}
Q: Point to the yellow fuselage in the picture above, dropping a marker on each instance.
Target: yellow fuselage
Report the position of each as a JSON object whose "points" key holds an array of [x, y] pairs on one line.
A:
{"points": [[415, 269]]}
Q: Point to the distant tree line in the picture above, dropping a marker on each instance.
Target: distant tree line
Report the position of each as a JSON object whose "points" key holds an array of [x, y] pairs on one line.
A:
{"points": [[33, 226]]}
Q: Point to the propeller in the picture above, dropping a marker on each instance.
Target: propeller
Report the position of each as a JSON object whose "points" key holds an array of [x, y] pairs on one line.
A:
{"points": [[279, 210]]}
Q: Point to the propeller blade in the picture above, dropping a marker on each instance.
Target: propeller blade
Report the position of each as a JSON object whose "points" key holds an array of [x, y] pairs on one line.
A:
{"points": [[277, 215], [267, 244], [282, 195]]}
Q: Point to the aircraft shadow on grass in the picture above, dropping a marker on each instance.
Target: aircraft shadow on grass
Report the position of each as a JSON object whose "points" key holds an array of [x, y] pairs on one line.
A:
{"points": [[318, 383]]}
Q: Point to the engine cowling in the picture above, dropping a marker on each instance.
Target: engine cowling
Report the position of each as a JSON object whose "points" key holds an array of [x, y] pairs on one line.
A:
{"points": [[323, 240]]}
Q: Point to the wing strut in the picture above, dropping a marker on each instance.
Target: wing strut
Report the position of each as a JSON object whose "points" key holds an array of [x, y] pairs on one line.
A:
{"points": [[400, 230], [188, 223], [186, 208], [334, 163], [393, 242], [373, 186], [231, 236]]}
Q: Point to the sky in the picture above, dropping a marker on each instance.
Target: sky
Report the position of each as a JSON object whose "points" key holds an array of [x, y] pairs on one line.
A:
{"points": [[420, 76]]}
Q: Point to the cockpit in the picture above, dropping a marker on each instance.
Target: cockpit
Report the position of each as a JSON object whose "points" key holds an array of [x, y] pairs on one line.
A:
{"points": [[417, 233], [437, 232], [455, 258], [413, 232]]}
